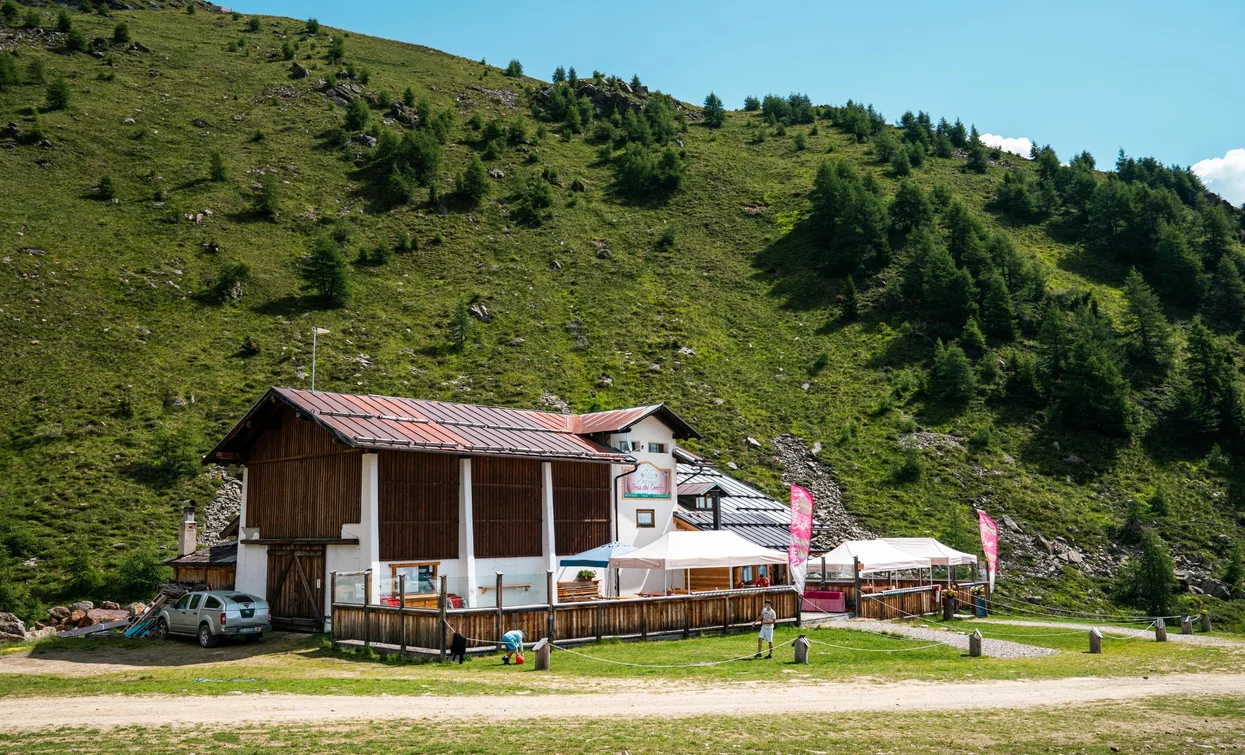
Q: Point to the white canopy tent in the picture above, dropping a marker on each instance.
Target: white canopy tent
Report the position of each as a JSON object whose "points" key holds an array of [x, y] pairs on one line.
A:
{"points": [[873, 555], [927, 547], [698, 550]]}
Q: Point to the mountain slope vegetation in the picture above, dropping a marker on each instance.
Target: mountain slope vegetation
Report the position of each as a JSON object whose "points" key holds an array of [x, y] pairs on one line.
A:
{"points": [[188, 195]]}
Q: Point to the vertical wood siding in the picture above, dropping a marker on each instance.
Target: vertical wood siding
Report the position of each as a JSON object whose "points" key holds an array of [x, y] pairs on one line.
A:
{"points": [[506, 509], [418, 505], [581, 505]]}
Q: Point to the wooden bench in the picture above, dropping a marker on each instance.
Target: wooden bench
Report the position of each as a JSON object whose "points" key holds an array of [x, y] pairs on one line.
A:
{"points": [[579, 591]]}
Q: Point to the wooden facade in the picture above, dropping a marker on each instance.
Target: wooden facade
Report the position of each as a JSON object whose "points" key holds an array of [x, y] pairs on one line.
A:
{"points": [[581, 505], [300, 484], [215, 577], [506, 507], [417, 505], [638, 618]]}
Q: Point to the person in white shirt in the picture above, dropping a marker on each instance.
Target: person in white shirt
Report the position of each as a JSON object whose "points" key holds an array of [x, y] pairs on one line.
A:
{"points": [[767, 629]]}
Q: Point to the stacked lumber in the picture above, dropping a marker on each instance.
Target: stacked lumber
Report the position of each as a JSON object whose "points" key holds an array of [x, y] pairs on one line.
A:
{"points": [[144, 624]]}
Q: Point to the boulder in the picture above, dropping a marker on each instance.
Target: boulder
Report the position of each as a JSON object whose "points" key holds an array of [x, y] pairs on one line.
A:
{"points": [[75, 616], [1215, 588], [579, 185], [495, 173], [752, 442], [11, 131], [140, 47], [1010, 523], [58, 613], [480, 312], [81, 605], [42, 633], [109, 605], [11, 628], [1046, 545], [298, 71], [135, 609]]}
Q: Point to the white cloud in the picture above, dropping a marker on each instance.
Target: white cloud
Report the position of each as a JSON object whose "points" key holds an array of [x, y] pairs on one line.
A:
{"points": [[1019, 146], [1224, 175]]}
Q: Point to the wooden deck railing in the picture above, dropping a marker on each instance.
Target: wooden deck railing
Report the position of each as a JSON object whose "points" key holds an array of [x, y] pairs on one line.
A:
{"points": [[898, 604], [427, 630]]}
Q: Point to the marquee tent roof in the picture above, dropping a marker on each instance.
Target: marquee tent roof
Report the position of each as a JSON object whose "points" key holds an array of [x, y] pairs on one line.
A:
{"points": [[937, 553], [697, 550], [874, 556]]}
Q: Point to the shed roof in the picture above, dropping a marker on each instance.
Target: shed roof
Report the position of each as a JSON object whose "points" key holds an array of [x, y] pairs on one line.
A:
{"points": [[375, 422], [221, 554], [744, 510]]}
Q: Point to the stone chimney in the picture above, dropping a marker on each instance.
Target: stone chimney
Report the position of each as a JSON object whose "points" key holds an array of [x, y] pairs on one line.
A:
{"points": [[187, 537]]}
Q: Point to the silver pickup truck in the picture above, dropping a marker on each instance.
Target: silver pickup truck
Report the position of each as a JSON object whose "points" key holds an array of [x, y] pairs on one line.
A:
{"points": [[212, 615]]}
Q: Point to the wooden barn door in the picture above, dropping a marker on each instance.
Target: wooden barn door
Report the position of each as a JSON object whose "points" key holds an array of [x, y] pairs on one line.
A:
{"points": [[296, 587]]}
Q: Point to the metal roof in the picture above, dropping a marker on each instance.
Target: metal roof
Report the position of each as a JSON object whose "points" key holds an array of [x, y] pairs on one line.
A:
{"points": [[744, 509], [618, 420], [375, 422], [698, 488], [222, 554]]}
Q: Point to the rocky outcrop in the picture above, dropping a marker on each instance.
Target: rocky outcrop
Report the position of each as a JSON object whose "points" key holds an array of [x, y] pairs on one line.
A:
{"points": [[298, 71], [800, 466], [11, 628], [224, 507]]}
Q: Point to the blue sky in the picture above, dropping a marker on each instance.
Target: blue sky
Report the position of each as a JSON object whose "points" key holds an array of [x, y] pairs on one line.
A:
{"points": [[1157, 78]]}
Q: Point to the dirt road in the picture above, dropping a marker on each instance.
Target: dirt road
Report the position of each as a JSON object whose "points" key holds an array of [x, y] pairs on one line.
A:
{"points": [[18, 714]]}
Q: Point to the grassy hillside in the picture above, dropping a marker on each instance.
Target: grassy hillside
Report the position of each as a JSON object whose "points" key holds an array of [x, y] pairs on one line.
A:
{"points": [[114, 363]]}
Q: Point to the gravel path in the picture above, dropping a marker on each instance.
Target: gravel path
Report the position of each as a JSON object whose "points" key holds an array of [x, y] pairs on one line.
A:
{"points": [[992, 648], [108, 711], [1173, 631]]}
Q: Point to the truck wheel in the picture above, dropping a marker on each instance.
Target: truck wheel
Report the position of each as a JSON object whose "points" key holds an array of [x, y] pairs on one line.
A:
{"points": [[206, 638], [162, 630]]}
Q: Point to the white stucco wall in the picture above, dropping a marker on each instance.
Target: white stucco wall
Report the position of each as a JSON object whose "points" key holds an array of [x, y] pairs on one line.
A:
{"points": [[648, 430]]}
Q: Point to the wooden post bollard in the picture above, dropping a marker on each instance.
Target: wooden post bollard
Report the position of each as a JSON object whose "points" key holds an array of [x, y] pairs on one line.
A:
{"points": [[1160, 631], [801, 649], [1205, 622], [974, 644], [443, 606], [541, 651], [1095, 641], [1186, 625], [948, 606]]}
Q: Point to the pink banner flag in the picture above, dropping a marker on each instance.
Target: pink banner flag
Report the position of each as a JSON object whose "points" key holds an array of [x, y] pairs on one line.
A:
{"points": [[801, 536], [989, 544]]}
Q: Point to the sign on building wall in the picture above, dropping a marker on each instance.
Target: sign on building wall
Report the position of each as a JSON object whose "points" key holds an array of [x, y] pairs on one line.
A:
{"points": [[648, 481]]}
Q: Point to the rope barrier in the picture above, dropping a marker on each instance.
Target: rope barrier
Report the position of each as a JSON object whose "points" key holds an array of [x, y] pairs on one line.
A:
{"points": [[875, 650], [672, 665]]}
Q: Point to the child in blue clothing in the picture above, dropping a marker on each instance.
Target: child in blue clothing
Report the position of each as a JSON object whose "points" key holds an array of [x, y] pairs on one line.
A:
{"points": [[513, 642]]}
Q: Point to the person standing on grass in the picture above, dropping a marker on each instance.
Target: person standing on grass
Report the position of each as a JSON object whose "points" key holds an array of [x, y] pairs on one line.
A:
{"points": [[513, 642], [768, 617]]}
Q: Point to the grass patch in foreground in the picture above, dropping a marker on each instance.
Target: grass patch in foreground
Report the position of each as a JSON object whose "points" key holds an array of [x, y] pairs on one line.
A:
{"points": [[311, 667], [1158, 725]]}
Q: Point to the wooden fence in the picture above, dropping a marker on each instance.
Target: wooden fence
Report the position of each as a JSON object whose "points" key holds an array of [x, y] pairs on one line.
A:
{"points": [[898, 604], [428, 630], [963, 591]]}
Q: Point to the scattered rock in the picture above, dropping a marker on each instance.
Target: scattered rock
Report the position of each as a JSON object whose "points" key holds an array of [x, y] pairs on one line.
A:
{"points": [[1010, 523], [480, 312], [82, 605], [298, 71], [605, 381], [555, 265], [579, 185], [496, 173], [551, 401], [140, 47], [516, 341], [108, 605], [800, 466], [1216, 588], [752, 442], [135, 609], [58, 613], [928, 440]]}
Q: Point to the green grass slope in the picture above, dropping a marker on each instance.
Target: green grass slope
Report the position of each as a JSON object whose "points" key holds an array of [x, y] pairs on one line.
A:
{"points": [[109, 353]]}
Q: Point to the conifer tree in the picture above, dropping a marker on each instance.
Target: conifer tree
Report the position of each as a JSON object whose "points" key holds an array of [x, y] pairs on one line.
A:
{"points": [[1148, 336], [977, 161], [958, 134], [849, 308], [972, 339], [1053, 346], [473, 182], [1235, 570], [910, 209], [572, 78], [1226, 298], [324, 273], [216, 166], [1178, 267], [715, 113], [460, 327], [1151, 580], [1160, 502], [947, 292], [901, 166], [1210, 402], [1092, 392], [635, 81], [559, 75], [751, 104], [998, 315], [951, 378]]}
